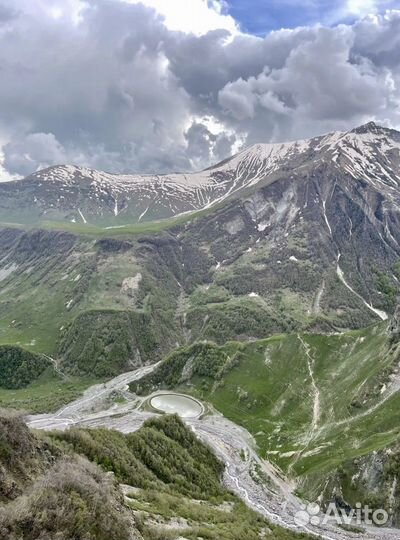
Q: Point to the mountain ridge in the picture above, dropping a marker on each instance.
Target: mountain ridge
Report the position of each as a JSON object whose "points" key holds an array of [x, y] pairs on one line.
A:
{"points": [[80, 194], [303, 246], [315, 247]]}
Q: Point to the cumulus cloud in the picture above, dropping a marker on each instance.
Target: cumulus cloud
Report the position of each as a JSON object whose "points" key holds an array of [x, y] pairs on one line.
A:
{"points": [[122, 86], [34, 150], [205, 147], [197, 16]]}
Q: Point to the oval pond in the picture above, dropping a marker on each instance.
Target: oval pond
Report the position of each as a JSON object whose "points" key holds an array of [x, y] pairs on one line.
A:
{"points": [[184, 406]]}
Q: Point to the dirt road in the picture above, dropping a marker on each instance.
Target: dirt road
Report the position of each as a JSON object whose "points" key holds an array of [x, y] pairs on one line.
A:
{"points": [[273, 497]]}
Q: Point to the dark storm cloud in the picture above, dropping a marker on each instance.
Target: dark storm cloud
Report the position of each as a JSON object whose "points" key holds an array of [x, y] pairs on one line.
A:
{"points": [[297, 83], [117, 90], [102, 88]]}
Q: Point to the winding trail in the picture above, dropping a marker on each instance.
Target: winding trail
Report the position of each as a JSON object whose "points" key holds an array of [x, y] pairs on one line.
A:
{"points": [[316, 410], [317, 394], [55, 366], [317, 302], [390, 392], [94, 397], [274, 499]]}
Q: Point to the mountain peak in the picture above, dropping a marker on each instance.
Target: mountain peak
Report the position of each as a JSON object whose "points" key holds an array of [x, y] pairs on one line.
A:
{"points": [[370, 127], [66, 192]]}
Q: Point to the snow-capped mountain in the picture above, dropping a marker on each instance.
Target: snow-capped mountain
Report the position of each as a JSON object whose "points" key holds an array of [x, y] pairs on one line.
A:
{"points": [[317, 231], [68, 193]]}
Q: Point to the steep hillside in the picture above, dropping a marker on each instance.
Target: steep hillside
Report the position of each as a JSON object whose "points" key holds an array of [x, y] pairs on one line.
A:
{"points": [[306, 240], [18, 367], [56, 486], [317, 247], [316, 405], [58, 291]]}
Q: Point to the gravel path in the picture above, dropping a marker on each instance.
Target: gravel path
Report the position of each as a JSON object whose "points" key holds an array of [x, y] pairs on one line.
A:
{"points": [[273, 498]]}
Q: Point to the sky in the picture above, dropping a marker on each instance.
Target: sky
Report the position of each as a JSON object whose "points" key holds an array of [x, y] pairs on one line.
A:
{"points": [[177, 85], [261, 16]]}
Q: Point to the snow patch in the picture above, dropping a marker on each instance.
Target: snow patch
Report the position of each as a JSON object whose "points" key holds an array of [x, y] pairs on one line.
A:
{"points": [[381, 314], [82, 216], [143, 213]]}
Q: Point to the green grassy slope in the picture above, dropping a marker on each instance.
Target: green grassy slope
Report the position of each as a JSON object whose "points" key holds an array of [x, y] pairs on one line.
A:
{"points": [[312, 402], [47, 393], [177, 480], [119, 229], [19, 368], [54, 486], [53, 277], [201, 276], [57, 289], [45, 493], [28, 381]]}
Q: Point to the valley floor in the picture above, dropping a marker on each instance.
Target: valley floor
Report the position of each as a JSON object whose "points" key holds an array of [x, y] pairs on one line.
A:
{"points": [[260, 485]]}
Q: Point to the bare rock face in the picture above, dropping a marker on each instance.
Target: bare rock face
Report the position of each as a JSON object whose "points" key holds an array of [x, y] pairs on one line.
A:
{"points": [[301, 235]]}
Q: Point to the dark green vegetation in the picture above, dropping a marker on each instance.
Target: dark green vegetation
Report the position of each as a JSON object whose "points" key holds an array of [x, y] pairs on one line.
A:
{"points": [[52, 486], [262, 262], [243, 270], [202, 359], [18, 367], [106, 343], [371, 479], [163, 456], [104, 305], [90, 304], [281, 278], [312, 402]]}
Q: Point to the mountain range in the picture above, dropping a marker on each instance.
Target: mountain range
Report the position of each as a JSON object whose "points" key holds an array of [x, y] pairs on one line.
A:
{"points": [[284, 237], [78, 194], [286, 257]]}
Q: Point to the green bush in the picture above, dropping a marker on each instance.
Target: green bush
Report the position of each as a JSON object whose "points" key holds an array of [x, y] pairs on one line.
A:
{"points": [[163, 455], [74, 501], [105, 343], [18, 367], [204, 359]]}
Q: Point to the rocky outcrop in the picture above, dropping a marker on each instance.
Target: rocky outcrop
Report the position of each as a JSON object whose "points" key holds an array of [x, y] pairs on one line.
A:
{"points": [[394, 325]]}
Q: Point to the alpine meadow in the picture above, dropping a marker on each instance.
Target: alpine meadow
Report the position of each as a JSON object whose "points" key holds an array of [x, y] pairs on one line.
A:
{"points": [[203, 343]]}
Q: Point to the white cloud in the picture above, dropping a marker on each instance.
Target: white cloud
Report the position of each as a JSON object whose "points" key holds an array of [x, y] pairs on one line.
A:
{"points": [[70, 10], [122, 92], [5, 176], [192, 16], [361, 7], [35, 151]]}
